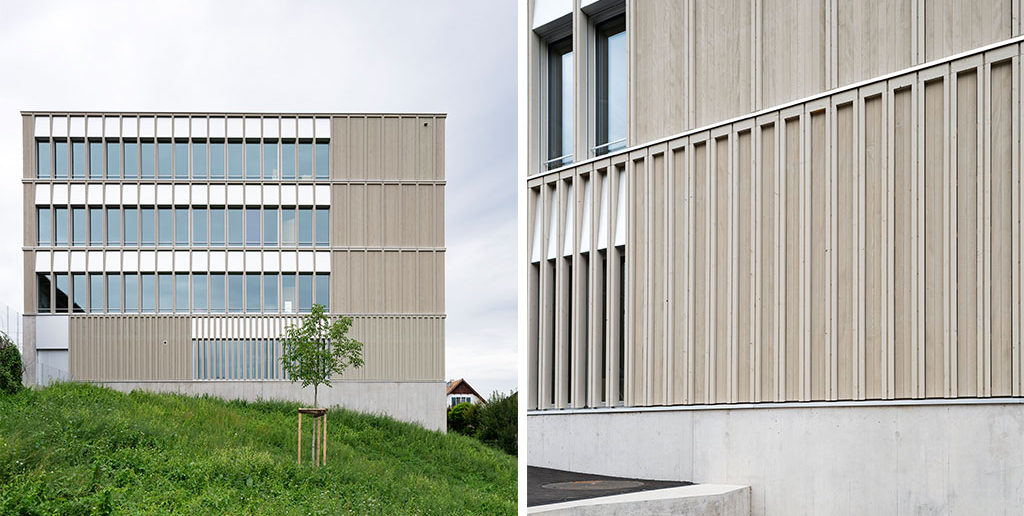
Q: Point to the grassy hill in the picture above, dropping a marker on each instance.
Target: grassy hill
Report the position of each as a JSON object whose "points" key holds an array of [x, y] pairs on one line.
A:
{"points": [[81, 449]]}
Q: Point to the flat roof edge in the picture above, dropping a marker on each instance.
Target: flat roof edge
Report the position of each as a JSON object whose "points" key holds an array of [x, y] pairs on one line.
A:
{"points": [[235, 113]]}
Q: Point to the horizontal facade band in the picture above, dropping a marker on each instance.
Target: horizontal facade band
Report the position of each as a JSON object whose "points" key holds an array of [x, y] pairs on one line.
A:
{"points": [[180, 126], [182, 261], [120, 194]]}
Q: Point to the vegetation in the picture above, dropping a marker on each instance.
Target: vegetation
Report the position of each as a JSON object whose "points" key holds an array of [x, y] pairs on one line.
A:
{"points": [[494, 423], [81, 449], [10, 366], [318, 348]]}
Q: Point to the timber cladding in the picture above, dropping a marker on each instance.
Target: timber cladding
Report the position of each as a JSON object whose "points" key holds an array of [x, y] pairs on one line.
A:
{"points": [[863, 244]]}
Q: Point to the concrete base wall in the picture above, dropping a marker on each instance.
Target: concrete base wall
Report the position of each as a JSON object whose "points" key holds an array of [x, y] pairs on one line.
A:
{"points": [[422, 403], [703, 499], [857, 459]]}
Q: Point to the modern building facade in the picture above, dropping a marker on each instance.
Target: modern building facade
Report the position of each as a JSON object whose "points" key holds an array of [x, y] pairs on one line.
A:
{"points": [[777, 243], [169, 251]]}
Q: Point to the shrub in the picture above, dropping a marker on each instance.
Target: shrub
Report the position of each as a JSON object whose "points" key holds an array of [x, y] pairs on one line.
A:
{"points": [[497, 422], [462, 418], [10, 366]]}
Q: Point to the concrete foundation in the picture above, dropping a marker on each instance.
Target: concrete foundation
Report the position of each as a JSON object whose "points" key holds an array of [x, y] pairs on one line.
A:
{"points": [[705, 499], [944, 457], [422, 403]]}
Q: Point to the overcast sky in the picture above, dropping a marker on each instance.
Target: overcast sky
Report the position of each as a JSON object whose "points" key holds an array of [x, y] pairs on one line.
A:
{"points": [[455, 57]]}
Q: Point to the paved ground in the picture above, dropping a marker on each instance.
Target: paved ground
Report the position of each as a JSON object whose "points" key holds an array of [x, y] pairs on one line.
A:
{"points": [[546, 486]]}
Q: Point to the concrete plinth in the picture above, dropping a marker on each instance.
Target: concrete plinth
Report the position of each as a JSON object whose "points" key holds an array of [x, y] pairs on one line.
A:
{"points": [[704, 500]]}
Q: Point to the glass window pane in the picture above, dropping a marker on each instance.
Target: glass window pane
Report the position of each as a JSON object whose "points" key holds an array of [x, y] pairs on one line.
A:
{"points": [[43, 163], [288, 226], [288, 293], [234, 293], [270, 293], [147, 155], [323, 226], [305, 160], [165, 230], [181, 159], [199, 226], [252, 293], [560, 103], [62, 292], [43, 226], [113, 160], [113, 226], [166, 291], [60, 157], [148, 223], [131, 293], [199, 282], [270, 226], [217, 293], [60, 225], [95, 226], [288, 160], [323, 291], [217, 160], [78, 159], [323, 161], [148, 293], [78, 226], [80, 291], [181, 293], [234, 160], [199, 165], [95, 160], [611, 85], [181, 226], [234, 226], [252, 160], [95, 293], [305, 226], [252, 226], [164, 158], [131, 160], [113, 293], [131, 226], [305, 292], [270, 167], [43, 293], [217, 226]]}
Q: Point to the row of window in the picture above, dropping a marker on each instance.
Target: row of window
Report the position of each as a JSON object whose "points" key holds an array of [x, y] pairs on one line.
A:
{"points": [[237, 359], [182, 159], [181, 293], [149, 226]]}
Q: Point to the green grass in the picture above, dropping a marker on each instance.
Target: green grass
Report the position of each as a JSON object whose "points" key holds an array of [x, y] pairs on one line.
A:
{"points": [[81, 449]]}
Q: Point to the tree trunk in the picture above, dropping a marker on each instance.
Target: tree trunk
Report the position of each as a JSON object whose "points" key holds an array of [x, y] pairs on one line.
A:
{"points": [[314, 395]]}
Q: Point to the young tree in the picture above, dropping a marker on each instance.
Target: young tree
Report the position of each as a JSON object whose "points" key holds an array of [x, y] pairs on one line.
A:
{"points": [[319, 347]]}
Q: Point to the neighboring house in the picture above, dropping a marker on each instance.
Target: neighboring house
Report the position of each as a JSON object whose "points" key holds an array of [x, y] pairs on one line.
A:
{"points": [[169, 251], [777, 243], [460, 391]]}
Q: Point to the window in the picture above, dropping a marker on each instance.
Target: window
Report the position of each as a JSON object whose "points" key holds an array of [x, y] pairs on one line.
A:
{"points": [[199, 226], [181, 159], [270, 226], [323, 161], [166, 301], [95, 226], [131, 293], [43, 226], [287, 226], [113, 160], [148, 293], [234, 226], [113, 226], [270, 167], [217, 160], [131, 226], [252, 160], [288, 160], [217, 293], [148, 223], [234, 160], [165, 230], [217, 226], [323, 226], [78, 159], [288, 293], [95, 293], [163, 155], [131, 160], [560, 104], [199, 285], [60, 155], [62, 292], [199, 165], [234, 293], [80, 292], [252, 293], [95, 160], [305, 226], [305, 160], [181, 293], [43, 164], [78, 226], [43, 293], [181, 226], [611, 85], [270, 293], [113, 292], [323, 290], [148, 155], [60, 226], [252, 226], [305, 292]]}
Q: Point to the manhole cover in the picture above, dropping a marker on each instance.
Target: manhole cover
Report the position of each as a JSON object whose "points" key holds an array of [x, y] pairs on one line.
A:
{"points": [[593, 485]]}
